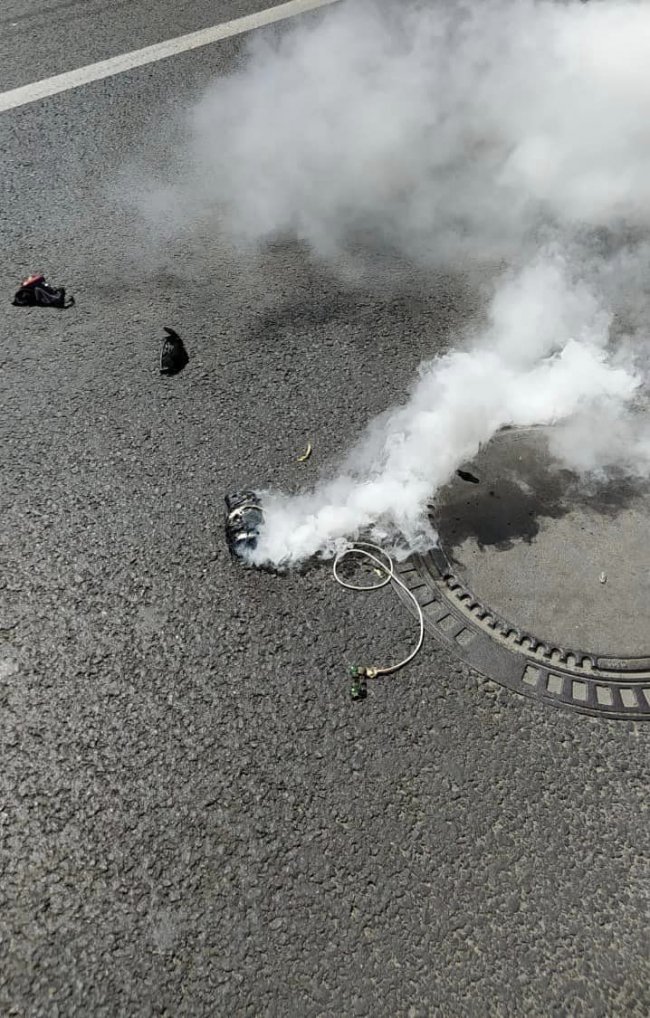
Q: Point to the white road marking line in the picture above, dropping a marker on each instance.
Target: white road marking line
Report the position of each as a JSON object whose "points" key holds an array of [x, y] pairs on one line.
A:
{"points": [[150, 54]]}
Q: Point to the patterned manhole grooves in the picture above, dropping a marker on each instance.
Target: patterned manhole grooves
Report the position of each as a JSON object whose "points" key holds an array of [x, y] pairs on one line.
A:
{"points": [[450, 584]]}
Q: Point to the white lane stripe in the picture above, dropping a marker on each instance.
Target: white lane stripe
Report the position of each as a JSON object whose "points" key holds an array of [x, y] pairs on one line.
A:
{"points": [[150, 54]]}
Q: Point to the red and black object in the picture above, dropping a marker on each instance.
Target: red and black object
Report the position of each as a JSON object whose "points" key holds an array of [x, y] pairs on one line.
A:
{"points": [[34, 292]]}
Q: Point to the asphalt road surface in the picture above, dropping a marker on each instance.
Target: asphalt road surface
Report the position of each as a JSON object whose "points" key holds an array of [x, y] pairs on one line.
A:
{"points": [[194, 817]]}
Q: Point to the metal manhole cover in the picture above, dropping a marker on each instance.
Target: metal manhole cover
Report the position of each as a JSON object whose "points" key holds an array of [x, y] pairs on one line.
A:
{"points": [[540, 583]]}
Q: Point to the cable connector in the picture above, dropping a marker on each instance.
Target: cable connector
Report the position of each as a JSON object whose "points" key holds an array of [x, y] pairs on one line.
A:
{"points": [[358, 687]]}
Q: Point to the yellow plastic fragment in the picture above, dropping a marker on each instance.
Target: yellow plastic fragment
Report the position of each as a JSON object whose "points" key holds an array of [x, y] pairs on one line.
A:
{"points": [[306, 454]]}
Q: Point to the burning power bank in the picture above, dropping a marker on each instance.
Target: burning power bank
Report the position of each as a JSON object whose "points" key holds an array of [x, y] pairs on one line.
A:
{"points": [[244, 517]]}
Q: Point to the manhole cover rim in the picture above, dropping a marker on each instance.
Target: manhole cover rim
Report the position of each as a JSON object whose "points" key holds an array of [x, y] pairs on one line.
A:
{"points": [[615, 688]]}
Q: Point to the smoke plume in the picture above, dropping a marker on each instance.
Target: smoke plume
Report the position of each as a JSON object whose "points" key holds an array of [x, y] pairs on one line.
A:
{"points": [[507, 134]]}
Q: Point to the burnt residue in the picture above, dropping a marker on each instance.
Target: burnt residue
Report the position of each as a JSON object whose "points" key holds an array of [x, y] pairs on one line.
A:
{"points": [[465, 475], [520, 492]]}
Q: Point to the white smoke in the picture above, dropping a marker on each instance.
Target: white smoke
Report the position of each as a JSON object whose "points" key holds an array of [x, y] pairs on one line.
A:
{"points": [[542, 359], [456, 132], [436, 126]]}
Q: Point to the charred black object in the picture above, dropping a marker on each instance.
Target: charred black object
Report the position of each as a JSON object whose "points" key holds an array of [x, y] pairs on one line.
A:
{"points": [[173, 356], [35, 292], [466, 476], [244, 517]]}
